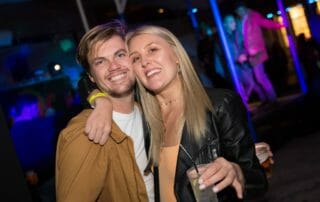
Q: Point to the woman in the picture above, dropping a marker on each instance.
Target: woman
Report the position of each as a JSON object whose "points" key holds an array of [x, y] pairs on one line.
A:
{"points": [[186, 121]]}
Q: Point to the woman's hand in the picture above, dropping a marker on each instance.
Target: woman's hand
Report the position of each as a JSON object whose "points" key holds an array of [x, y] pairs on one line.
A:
{"points": [[98, 126], [223, 173]]}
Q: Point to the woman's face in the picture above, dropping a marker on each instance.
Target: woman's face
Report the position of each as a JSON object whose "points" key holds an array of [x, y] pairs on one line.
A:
{"points": [[154, 61]]}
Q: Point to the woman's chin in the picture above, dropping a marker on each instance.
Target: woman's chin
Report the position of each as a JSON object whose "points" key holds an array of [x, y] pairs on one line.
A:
{"points": [[155, 89]]}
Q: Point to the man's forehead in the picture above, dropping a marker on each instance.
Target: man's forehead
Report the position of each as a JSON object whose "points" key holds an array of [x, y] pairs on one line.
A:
{"points": [[240, 8], [109, 46]]}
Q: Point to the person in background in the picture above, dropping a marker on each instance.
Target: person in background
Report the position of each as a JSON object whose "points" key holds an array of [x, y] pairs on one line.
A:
{"points": [[250, 26], [206, 67], [209, 125], [243, 68], [114, 171]]}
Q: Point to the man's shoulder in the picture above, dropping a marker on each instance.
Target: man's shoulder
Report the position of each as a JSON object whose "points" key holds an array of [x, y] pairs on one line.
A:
{"points": [[76, 125], [253, 13]]}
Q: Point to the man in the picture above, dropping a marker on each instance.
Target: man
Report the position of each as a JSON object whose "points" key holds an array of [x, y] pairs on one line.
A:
{"points": [[250, 25], [115, 171]]}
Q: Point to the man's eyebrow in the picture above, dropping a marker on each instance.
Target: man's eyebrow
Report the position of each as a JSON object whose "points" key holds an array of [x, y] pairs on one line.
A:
{"points": [[103, 58], [146, 46], [97, 58], [120, 50]]}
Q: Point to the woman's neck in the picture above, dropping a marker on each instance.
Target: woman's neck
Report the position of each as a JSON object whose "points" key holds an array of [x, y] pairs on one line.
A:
{"points": [[171, 96], [172, 110]]}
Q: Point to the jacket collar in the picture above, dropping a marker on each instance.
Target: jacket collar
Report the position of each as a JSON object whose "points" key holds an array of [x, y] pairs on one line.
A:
{"points": [[184, 162], [117, 135], [193, 147]]}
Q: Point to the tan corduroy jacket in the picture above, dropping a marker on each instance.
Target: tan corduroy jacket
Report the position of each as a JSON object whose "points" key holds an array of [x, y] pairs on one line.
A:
{"points": [[87, 172]]}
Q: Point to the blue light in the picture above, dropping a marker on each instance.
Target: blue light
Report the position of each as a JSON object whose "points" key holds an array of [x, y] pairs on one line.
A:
{"points": [[209, 31], [279, 12], [223, 39], [194, 10], [288, 9], [312, 1], [269, 15], [293, 51]]}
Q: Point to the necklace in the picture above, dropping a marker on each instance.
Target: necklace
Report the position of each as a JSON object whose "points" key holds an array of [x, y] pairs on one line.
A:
{"points": [[168, 102]]}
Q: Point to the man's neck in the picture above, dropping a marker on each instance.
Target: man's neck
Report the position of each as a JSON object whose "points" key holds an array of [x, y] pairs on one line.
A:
{"points": [[123, 104], [229, 31]]}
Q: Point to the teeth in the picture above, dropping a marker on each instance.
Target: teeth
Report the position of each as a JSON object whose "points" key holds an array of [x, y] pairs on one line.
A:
{"points": [[152, 72], [118, 77]]}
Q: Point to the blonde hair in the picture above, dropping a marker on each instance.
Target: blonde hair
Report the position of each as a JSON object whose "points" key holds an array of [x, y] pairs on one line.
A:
{"points": [[197, 102]]}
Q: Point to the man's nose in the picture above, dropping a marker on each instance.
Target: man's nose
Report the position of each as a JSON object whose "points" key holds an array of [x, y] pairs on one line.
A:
{"points": [[114, 65]]}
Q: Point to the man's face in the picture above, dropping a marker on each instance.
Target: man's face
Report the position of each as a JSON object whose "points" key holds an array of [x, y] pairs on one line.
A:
{"points": [[230, 23], [241, 11], [110, 67]]}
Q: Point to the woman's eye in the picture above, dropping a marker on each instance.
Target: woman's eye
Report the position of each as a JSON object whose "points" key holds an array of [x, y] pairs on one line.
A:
{"points": [[135, 59], [151, 50]]}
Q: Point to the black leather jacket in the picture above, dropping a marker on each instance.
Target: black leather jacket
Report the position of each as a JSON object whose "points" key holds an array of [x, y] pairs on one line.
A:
{"points": [[228, 136]]}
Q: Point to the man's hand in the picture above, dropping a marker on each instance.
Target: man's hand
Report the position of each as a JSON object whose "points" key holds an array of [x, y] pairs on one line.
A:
{"points": [[223, 173], [98, 126], [242, 58], [281, 25]]}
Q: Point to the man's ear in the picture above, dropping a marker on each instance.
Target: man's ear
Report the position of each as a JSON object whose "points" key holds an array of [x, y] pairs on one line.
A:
{"points": [[91, 78]]}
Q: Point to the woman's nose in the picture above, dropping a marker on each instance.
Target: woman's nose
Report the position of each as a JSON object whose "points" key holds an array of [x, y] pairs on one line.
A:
{"points": [[145, 62]]}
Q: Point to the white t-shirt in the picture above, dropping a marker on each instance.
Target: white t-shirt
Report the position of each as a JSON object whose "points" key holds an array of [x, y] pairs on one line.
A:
{"points": [[131, 124]]}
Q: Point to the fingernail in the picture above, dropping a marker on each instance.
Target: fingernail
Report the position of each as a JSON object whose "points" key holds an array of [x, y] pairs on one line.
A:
{"points": [[200, 181], [202, 186], [215, 189]]}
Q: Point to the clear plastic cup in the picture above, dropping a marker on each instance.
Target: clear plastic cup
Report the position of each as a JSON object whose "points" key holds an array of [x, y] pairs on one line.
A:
{"points": [[205, 195], [264, 159]]}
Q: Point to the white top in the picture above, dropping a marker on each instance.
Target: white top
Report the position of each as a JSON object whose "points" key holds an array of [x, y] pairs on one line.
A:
{"points": [[131, 124]]}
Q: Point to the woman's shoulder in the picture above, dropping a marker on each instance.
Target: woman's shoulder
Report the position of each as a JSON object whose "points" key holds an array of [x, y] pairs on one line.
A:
{"points": [[220, 96], [220, 93]]}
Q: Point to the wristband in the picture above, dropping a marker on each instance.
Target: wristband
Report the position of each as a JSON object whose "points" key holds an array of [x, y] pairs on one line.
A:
{"points": [[95, 95]]}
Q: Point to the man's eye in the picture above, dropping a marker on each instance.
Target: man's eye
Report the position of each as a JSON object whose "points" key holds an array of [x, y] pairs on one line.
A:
{"points": [[98, 62], [122, 54]]}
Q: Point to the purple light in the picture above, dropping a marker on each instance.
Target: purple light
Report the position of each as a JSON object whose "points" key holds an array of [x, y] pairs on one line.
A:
{"points": [[26, 108]]}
